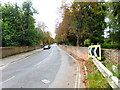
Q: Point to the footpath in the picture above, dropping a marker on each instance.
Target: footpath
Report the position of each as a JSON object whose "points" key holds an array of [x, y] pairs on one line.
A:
{"points": [[15, 58]]}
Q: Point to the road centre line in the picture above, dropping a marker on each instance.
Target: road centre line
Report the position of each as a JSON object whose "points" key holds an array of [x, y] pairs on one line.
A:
{"points": [[44, 59], [7, 80]]}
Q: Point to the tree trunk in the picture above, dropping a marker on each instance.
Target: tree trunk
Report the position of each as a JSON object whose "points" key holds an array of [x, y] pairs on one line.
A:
{"points": [[82, 43], [78, 40]]}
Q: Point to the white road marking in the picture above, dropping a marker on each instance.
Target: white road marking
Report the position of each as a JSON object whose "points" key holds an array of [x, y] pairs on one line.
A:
{"points": [[45, 81], [76, 80], [44, 59], [79, 76], [7, 80], [3, 66], [85, 70]]}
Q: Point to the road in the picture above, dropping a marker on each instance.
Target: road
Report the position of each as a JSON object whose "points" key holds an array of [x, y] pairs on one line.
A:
{"points": [[51, 68]]}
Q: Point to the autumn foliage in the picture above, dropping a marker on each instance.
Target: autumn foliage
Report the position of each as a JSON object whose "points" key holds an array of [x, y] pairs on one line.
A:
{"points": [[81, 21]]}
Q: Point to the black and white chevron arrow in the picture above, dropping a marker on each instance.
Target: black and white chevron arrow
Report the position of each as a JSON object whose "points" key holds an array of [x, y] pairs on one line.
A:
{"points": [[94, 51]]}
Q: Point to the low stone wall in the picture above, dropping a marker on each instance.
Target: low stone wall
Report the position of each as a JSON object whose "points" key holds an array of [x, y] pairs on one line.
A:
{"points": [[8, 51], [83, 52], [111, 54]]}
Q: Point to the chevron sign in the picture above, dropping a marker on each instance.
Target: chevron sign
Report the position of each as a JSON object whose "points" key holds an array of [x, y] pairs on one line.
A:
{"points": [[94, 51]]}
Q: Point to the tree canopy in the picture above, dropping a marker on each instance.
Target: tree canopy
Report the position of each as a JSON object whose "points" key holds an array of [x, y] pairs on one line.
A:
{"points": [[81, 21], [84, 23], [18, 26]]}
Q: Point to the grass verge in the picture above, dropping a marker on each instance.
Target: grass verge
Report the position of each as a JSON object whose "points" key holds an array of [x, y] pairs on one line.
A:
{"points": [[94, 78], [108, 63]]}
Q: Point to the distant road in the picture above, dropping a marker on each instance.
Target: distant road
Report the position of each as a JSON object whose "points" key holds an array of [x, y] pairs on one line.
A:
{"points": [[51, 68]]}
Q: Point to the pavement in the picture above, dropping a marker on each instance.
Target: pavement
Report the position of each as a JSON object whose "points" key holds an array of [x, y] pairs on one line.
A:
{"points": [[51, 68], [15, 58]]}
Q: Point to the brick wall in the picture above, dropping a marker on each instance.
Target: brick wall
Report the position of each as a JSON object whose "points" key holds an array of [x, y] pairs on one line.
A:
{"points": [[8, 51], [83, 52], [111, 54]]}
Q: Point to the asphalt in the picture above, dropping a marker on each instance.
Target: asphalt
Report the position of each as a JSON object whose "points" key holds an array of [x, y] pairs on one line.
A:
{"points": [[51, 68]]}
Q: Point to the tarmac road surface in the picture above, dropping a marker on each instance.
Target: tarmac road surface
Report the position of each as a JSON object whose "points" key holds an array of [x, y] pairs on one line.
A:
{"points": [[52, 68]]}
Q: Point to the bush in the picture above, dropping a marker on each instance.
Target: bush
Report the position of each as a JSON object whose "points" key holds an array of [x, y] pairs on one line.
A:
{"points": [[109, 46], [87, 43]]}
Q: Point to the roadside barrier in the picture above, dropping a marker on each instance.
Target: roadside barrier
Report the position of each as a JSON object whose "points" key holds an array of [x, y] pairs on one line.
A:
{"points": [[95, 54]]}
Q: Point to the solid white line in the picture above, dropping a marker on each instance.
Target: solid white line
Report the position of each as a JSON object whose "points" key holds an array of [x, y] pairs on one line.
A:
{"points": [[76, 80], [7, 80], [79, 76], [85, 70], [4, 66], [44, 59], [77, 71]]}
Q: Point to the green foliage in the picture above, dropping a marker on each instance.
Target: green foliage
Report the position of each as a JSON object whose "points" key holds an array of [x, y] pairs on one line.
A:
{"points": [[109, 46], [110, 43], [18, 26], [109, 63], [87, 20], [96, 23], [82, 20], [114, 23], [94, 78], [87, 43], [9, 21]]}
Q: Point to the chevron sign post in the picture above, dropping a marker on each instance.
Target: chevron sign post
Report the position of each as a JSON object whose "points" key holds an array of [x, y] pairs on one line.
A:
{"points": [[94, 51]]}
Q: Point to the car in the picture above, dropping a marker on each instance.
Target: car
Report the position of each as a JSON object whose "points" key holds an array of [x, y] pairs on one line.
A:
{"points": [[46, 47]]}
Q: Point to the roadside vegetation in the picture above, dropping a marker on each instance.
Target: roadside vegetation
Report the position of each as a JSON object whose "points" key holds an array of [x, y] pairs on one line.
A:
{"points": [[18, 26], [86, 23], [109, 65], [94, 78]]}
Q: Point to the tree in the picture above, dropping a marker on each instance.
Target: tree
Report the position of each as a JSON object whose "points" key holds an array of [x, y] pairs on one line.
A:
{"points": [[18, 25], [47, 38], [28, 21], [96, 21], [10, 25], [114, 23], [82, 20], [79, 16]]}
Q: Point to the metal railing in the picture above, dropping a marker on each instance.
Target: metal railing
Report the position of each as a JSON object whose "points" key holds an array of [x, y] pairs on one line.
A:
{"points": [[112, 80]]}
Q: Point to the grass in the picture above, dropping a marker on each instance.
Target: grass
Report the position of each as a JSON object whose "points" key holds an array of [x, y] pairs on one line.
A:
{"points": [[108, 64], [94, 78]]}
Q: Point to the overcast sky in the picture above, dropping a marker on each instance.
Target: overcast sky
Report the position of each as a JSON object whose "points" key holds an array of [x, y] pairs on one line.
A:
{"points": [[47, 9]]}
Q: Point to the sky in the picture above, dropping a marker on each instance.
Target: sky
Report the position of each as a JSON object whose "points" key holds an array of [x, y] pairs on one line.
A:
{"points": [[47, 9]]}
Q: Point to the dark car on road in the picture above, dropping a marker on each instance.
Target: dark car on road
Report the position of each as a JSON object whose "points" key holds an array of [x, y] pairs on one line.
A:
{"points": [[46, 47]]}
